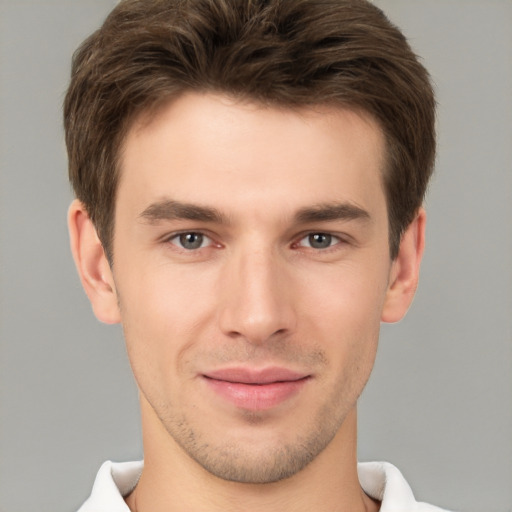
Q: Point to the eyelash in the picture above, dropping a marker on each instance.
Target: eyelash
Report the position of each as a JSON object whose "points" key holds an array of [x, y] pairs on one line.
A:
{"points": [[336, 240], [177, 237], [333, 241]]}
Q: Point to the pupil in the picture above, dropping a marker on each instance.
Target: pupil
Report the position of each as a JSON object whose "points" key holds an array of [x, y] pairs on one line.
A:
{"points": [[191, 240], [320, 240]]}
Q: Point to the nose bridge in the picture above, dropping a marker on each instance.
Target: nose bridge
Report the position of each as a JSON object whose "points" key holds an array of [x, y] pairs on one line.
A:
{"points": [[256, 300]]}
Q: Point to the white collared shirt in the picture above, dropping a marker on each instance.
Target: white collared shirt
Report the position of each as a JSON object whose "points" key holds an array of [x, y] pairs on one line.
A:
{"points": [[380, 480]]}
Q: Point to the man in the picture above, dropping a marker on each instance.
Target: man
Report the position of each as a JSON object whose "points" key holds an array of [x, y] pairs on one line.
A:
{"points": [[249, 179]]}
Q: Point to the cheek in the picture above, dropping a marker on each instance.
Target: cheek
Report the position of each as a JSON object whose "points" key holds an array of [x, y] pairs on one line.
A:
{"points": [[167, 313], [348, 312], [159, 314], [163, 298], [349, 297]]}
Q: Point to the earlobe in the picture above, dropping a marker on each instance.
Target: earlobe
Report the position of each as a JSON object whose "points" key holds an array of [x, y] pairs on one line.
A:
{"points": [[404, 273], [92, 264]]}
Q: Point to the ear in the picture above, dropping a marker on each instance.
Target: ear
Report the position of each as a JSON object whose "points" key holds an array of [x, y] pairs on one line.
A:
{"points": [[92, 265], [404, 272]]}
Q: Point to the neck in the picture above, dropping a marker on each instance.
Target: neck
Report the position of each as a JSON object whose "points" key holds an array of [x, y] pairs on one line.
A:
{"points": [[171, 481]]}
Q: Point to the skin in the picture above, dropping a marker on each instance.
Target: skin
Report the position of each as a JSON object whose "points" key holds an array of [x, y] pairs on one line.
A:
{"points": [[290, 269]]}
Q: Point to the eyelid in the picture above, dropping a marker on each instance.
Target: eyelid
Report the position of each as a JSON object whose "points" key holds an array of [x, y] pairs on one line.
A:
{"points": [[334, 238], [169, 237], [338, 239]]}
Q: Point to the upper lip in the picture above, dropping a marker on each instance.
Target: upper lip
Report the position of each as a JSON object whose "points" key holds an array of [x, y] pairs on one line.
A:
{"points": [[255, 376]]}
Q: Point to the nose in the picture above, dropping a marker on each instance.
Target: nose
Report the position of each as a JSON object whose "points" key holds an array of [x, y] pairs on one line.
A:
{"points": [[256, 298]]}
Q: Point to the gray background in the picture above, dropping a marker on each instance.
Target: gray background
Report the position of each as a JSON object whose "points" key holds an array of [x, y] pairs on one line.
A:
{"points": [[439, 404]]}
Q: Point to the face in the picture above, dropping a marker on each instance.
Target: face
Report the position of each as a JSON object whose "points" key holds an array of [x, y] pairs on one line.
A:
{"points": [[251, 268]]}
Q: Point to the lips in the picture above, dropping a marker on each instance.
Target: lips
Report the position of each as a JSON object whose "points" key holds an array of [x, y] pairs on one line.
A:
{"points": [[249, 376], [255, 390]]}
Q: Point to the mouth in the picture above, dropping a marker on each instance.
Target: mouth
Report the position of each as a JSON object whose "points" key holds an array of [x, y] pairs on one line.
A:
{"points": [[256, 390]]}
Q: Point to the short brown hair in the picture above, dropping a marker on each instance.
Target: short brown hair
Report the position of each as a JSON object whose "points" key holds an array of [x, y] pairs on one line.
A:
{"points": [[284, 52]]}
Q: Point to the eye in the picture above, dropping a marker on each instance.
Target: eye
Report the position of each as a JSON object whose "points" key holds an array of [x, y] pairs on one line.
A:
{"points": [[319, 241], [190, 241]]}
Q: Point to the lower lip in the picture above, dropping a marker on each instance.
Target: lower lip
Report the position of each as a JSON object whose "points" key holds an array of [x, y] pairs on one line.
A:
{"points": [[256, 397]]}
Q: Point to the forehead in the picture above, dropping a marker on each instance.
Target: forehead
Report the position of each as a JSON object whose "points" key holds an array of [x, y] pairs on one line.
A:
{"points": [[217, 150]]}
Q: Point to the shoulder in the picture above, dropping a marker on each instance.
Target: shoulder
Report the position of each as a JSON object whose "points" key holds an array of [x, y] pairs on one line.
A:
{"points": [[384, 482], [113, 481]]}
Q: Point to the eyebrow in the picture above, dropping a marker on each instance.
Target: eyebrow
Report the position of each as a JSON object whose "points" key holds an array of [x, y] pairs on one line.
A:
{"points": [[331, 212], [168, 209]]}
